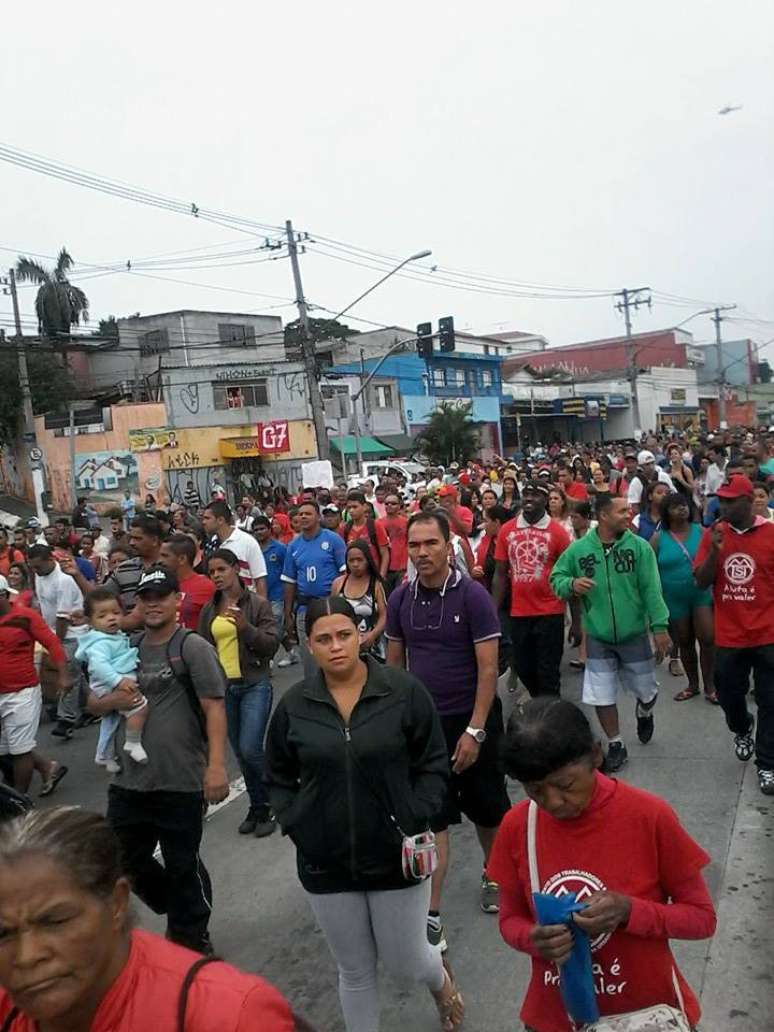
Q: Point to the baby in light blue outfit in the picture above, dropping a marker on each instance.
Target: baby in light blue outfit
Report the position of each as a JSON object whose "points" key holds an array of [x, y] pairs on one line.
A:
{"points": [[112, 664]]}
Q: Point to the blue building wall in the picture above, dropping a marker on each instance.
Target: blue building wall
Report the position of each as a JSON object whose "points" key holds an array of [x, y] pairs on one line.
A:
{"points": [[738, 358], [446, 377]]}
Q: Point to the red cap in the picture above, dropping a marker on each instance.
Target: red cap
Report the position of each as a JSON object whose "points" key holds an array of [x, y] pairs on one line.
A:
{"points": [[447, 491], [738, 486]]}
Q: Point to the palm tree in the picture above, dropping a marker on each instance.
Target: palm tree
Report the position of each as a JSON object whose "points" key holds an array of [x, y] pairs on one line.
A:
{"points": [[59, 305], [450, 435]]}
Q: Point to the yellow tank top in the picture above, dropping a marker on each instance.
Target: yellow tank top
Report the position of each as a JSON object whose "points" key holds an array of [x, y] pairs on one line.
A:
{"points": [[227, 643]]}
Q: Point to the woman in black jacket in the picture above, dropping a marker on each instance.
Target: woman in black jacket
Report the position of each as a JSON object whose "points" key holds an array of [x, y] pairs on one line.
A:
{"points": [[241, 626], [354, 754]]}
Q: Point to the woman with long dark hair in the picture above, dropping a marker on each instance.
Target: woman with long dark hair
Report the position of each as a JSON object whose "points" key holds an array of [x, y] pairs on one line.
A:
{"points": [[363, 588], [241, 626], [510, 498], [357, 767], [690, 608], [648, 519]]}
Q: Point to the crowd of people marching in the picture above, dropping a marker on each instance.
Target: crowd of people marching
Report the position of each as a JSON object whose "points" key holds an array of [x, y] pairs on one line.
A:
{"points": [[401, 603]]}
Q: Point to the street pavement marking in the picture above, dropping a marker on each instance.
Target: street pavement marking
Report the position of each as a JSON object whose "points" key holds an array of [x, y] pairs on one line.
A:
{"points": [[236, 788]]}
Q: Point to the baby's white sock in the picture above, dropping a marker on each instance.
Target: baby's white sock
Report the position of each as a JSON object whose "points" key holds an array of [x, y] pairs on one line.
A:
{"points": [[133, 745]]}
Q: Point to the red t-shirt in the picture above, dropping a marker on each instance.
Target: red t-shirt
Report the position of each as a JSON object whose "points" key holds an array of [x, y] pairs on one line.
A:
{"points": [[195, 592], [577, 490], [352, 533], [19, 631], [396, 529], [744, 585], [633, 967], [146, 995], [531, 549]]}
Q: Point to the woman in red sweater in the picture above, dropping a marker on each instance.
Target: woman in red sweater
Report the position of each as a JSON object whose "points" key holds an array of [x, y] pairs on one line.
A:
{"points": [[70, 960], [621, 851]]}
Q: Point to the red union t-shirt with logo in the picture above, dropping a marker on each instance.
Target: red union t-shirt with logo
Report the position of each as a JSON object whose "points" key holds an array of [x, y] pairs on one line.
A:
{"points": [[625, 841], [744, 585], [530, 550]]}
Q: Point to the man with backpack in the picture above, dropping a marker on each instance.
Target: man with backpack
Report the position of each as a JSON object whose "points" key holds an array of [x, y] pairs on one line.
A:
{"points": [[364, 527], [162, 802]]}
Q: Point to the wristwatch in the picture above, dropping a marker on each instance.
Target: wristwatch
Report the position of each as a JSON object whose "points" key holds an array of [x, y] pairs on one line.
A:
{"points": [[476, 732]]}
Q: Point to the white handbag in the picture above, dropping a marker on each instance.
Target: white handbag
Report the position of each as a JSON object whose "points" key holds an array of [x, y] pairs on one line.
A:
{"points": [[662, 1018]]}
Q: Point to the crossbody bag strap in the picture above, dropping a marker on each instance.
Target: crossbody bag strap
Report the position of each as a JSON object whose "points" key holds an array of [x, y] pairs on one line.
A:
{"points": [[532, 816], [185, 989], [8, 1023]]}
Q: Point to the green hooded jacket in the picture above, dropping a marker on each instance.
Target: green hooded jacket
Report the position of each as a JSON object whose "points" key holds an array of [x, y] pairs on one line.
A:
{"points": [[626, 600]]}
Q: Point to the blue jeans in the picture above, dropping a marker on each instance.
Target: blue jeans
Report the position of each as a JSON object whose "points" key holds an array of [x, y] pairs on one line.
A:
{"points": [[247, 713]]}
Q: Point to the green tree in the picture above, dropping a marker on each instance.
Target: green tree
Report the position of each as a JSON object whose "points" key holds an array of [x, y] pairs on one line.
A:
{"points": [[51, 387], [450, 434], [107, 328], [319, 329], [59, 305]]}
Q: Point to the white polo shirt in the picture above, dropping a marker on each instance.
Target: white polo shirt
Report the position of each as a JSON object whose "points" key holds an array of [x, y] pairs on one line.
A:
{"points": [[252, 565]]}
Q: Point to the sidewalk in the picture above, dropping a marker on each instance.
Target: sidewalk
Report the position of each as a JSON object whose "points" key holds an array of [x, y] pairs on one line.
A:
{"points": [[738, 986]]}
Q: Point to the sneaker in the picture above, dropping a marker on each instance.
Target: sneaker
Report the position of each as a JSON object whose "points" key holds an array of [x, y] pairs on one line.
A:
{"points": [[744, 745], [617, 756], [766, 781], [63, 730], [644, 713], [436, 934], [490, 895], [289, 660], [266, 823], [249, 824]]}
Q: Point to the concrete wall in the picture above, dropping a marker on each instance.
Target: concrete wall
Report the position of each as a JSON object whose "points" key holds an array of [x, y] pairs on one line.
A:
{"points": [[654, 392], [188, 393], [193, 339], [105, 460]]}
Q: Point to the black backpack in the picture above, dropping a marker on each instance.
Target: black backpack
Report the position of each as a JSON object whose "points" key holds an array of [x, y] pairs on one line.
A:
{"points": [[180, 669]]}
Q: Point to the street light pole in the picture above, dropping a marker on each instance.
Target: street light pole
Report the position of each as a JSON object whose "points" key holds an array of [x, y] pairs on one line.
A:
{"points": [[364, 383]]}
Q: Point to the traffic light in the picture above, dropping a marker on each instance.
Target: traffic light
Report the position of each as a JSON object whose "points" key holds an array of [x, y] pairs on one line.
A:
{"points": [[446, 333], [425, 340]]}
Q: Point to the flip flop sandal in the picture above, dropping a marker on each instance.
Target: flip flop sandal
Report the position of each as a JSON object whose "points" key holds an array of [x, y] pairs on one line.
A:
{"points": [[686, 693], [712, 698], [451, 1008], [53, 781]]}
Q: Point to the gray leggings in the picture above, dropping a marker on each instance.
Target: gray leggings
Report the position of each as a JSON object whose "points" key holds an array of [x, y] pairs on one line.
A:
{"points": [[363, 927]]}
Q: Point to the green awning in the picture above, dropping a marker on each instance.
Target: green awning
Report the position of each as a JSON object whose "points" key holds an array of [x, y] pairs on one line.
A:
{"points": [[399, 442], [368, 446]]}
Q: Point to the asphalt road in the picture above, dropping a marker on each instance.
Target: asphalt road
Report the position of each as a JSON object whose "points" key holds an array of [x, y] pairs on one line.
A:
{"points": [[261, 921]]}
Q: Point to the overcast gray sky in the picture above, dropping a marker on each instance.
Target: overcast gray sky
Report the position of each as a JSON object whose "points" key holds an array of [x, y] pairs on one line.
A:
{"points": [[568, 143]]}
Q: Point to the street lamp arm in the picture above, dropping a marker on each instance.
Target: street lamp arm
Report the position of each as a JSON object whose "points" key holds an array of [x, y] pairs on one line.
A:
{"points": [[412, 258], [391, 351]]}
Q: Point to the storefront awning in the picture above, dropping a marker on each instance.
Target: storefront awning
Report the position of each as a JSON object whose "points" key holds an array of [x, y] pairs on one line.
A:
{"points": [[399, 442], [368, 446]]}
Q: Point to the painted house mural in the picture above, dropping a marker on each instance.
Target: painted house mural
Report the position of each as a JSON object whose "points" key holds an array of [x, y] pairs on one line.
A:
{"points": [[105, 475]]}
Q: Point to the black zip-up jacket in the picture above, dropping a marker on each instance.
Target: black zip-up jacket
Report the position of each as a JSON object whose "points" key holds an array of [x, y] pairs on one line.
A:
{"points": [[260, 640], [333, 787]]}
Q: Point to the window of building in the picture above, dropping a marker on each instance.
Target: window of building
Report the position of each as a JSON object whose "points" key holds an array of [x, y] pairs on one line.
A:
{"points": [[236, 333], [453, 377], [470, 378], [382, 395], [439, 380], [154, 342], [487, 379], [240, 395]]}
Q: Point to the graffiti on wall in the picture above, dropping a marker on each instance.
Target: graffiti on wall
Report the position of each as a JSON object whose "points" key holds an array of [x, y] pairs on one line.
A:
{"points": [[105, 475], [202, 478], [11, 481]]}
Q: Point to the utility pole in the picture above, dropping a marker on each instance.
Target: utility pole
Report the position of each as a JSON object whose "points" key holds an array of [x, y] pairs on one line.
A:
{"points": [[717, 318], [29, 438], [632, 298], [307, 350]]}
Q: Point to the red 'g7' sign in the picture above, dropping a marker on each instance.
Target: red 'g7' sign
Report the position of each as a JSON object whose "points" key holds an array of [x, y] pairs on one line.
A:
{"points": [[274, 437]]}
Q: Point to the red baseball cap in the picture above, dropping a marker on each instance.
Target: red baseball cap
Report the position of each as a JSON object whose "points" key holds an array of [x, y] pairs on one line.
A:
{"points": [[447, 491], [738, 486]]}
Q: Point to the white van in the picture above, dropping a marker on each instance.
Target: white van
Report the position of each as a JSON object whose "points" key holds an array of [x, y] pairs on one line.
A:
{"points": [[376, 470]]}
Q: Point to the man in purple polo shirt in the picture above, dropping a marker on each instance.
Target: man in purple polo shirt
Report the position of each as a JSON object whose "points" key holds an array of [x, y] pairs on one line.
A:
{"points": [[444, 628]]}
